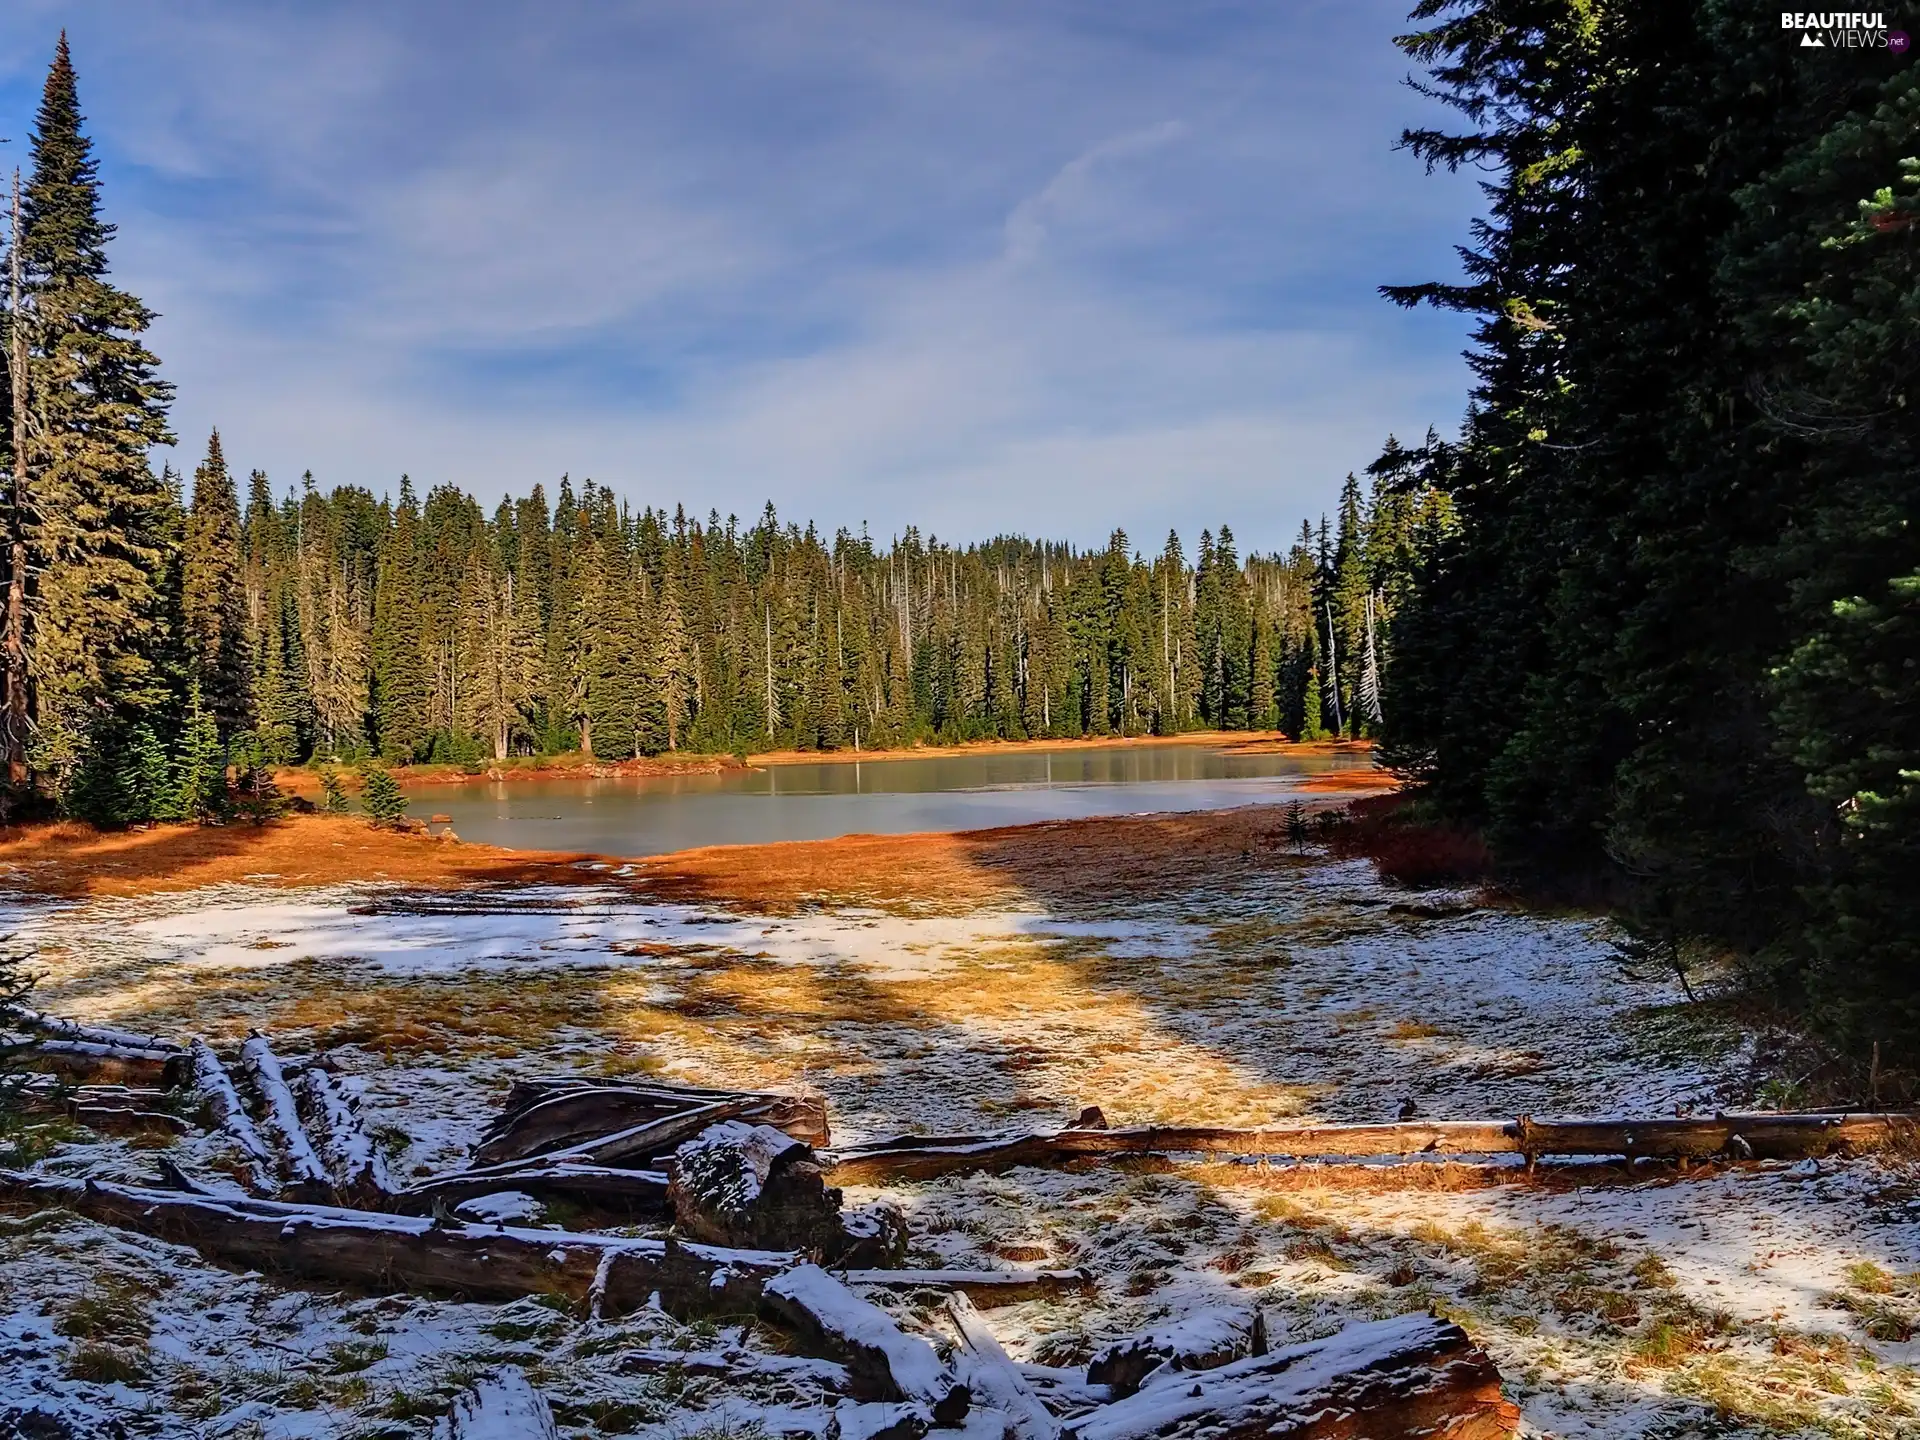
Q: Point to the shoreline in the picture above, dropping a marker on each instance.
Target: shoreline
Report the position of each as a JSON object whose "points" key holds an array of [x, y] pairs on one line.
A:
{"points": [[71, 860], [304, 780]]}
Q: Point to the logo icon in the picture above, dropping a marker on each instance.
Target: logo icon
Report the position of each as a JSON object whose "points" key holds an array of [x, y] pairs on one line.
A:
{"points": [[1898, 41], [1810, 41]]}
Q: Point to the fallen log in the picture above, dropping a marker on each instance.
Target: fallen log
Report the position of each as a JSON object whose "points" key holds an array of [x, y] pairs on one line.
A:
{"points": [[356, 1166], [62, 1029], [1205, 1340], [752, 1185], [109, 1064], [994, 1378], [1413, 1376], [281, 1117], [387, 1254], [501, 1406], [735, 1363], [988, 1288], [1755, 1136], [630, 1192], [883, 1361], [552, 1113], [876, 1420], [222, 1102], [125, 1120]]}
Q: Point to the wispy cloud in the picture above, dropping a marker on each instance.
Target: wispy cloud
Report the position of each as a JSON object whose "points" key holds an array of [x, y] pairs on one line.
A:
{"points": [[974, 267]]}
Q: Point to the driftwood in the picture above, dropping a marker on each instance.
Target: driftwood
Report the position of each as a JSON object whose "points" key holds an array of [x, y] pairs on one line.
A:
{"points": [[354, 1163], [987, 1288], [387, 1254], [1757, 1136], [883, 1361], [281, 1117], [546, 1115], [1413, 1376], [1205, 1340], [994, 1378], [222, 1101], [752, 1185], [628, 1192], [497, 1407]]}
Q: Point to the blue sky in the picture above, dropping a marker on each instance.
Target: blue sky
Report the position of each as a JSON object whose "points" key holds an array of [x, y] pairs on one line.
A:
{"points": [[980, 267]]}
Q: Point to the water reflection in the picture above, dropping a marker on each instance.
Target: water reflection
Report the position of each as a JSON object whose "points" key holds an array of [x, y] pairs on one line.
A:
{"points": [[655, 815]]}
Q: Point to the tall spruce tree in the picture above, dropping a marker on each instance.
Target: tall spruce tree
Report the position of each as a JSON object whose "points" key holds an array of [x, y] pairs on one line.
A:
{"points": [[97, 517], [213, 596]]}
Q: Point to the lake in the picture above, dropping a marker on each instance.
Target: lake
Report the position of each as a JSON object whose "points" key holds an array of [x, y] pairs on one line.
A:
{"points": [[654, 815]]}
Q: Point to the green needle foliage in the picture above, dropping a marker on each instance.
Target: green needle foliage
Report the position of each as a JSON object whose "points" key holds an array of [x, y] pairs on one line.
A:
{"points": [[380, 793], [333, 792]]}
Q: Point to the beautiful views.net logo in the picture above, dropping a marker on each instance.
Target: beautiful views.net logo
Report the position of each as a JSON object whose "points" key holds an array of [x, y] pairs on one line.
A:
{"points": [[1844, 30]]}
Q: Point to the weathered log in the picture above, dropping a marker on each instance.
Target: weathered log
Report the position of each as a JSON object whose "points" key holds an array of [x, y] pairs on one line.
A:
{"points": [[1205, 1340], [386, 1254], [500, 1406], [553, 1113], [752, 1185], [872, 1237], [1416, 1375], [993, 1377], [629, 1192], [114, 1109], [108, 1064], [353, 1161], [877, 1420], [125, 1120], [1756, 1136], [987, 1288], [883, 1361], [222, 1102], [281, 1117], [736, 1363], [62, 1029]]}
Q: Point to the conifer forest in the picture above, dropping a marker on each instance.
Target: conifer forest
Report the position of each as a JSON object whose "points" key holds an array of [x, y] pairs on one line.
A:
{"points": [[1650, 624]]}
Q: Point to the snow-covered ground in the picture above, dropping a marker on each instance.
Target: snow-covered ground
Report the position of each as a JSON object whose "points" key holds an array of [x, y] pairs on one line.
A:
{"points": [[1761, 1300]]}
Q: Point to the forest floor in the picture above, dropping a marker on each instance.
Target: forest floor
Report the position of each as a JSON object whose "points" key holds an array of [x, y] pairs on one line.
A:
{"points": [[305, 781], [1184, 968]]}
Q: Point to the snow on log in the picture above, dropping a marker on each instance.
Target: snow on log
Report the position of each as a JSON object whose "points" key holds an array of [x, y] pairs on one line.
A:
{"points": [[282, 1116], [986, 1288], [630, 1192], [994, 1378], [1204, 1340], [500, 1406], [1415, 1375], [1757, 1136], [356, 1165], [883, 1361], [736, 1363], [388, 1254], [752, 1185], [222, 1102], [550, 1113], [877, 1420], [60, 1029]]}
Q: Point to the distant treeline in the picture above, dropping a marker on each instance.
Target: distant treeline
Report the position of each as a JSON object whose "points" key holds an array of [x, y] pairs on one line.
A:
{"points": [[154, 636], [1674, 640]]}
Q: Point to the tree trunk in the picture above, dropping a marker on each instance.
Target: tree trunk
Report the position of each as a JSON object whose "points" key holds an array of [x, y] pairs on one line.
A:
{"points": [[1413, 1376], [883, 1361]]}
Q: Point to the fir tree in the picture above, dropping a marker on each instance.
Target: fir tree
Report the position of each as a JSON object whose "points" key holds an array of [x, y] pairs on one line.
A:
{"points": [[97, 516], [213, 597], [199, 765], [380, 793], [333, 791], [257, 795]]}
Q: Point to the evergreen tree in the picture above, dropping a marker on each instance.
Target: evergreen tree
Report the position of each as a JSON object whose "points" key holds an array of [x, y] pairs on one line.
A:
{"points": [[213, 597], [97, 518], [199, 765], [380, 793]]}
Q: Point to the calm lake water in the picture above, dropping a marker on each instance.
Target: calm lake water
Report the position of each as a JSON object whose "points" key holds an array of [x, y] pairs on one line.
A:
{"points": [[656, 815]]}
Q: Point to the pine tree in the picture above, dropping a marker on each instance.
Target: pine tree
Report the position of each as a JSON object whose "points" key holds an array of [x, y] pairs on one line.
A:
{"points": [[380, 793], [333, 792], [213, 597], [97, 516], [15, 986], [199, 765], [257, 795]]}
